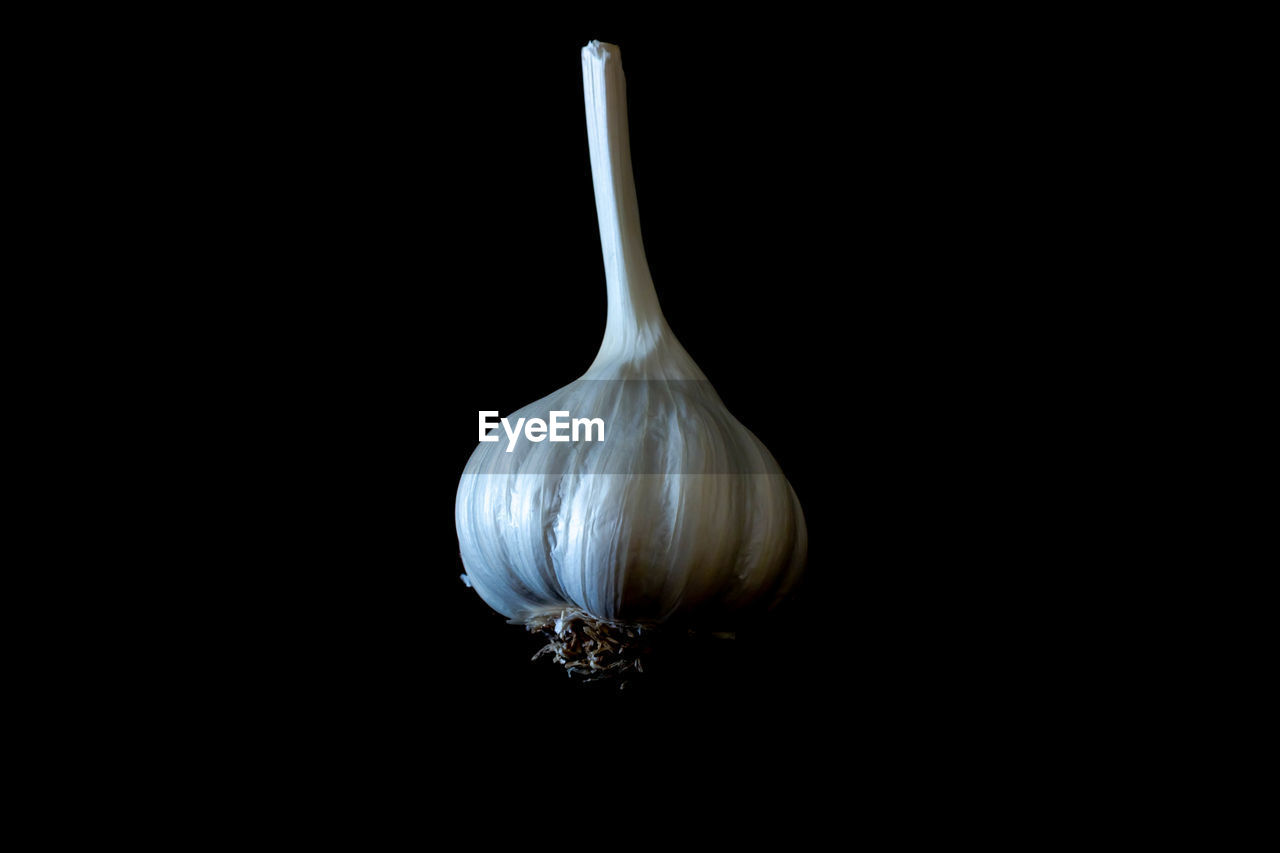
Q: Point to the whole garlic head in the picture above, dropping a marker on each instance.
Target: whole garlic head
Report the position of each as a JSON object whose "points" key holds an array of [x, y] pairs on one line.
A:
{"points": [[679, 513]]}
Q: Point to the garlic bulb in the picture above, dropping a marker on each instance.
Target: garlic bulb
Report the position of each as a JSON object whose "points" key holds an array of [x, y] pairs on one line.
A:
{"points": [[679, 513]]}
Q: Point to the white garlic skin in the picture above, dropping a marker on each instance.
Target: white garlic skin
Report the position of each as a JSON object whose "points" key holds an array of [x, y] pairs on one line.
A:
{"points": [[540, 530], [681, 512]]}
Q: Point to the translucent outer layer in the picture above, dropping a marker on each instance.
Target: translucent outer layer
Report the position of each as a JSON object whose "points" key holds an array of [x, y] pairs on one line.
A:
{"points": [[680, 510]]}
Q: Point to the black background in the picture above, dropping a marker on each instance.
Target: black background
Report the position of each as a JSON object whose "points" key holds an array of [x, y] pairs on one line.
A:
{"points": [[918, 252], [397, 229]]}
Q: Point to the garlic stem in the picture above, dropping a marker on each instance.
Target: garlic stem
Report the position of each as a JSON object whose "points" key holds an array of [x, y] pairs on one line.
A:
{"points": [[635, 325]]}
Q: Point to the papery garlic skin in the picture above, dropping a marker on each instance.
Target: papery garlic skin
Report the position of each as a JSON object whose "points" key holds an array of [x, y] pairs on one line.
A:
{"points": [[681, 512], [680, 508]]}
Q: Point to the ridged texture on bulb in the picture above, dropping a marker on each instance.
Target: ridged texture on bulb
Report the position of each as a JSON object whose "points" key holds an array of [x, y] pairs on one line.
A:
{"points": [[681, 508], [680, 511]]}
